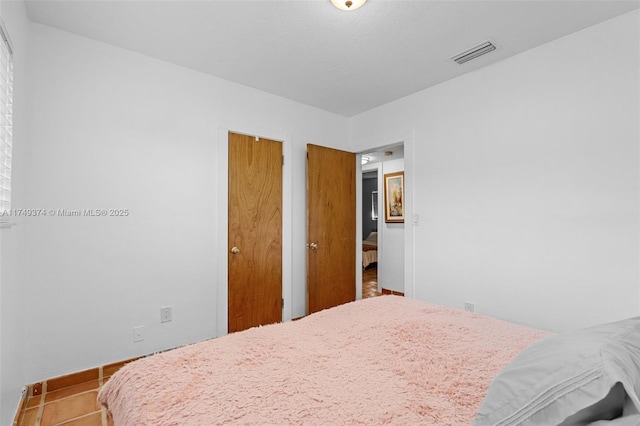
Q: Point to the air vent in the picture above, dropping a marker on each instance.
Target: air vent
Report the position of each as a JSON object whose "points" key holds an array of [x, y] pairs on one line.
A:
{"points": [[474, 52]]}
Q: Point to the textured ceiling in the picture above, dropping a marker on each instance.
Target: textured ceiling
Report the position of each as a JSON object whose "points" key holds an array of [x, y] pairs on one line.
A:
{"points": [[310, 52]]}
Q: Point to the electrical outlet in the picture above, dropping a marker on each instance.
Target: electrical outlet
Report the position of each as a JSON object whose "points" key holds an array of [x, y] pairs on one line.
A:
{"points": [[165, 314], [138, 333], [469, 307]]}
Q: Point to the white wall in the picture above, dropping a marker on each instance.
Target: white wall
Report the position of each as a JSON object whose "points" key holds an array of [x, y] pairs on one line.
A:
{"points": [[12, 266], [528, 187], [114, 129]]}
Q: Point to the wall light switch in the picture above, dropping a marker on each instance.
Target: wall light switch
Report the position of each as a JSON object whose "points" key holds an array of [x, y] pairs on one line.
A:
{"points": [[416, 219]]}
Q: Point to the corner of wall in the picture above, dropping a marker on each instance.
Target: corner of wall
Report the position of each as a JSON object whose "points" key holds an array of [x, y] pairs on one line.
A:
{"points": [[12, 251]]}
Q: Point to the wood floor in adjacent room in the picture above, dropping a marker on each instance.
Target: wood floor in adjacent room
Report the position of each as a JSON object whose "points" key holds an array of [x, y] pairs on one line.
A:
{"points": [[370, 282]]}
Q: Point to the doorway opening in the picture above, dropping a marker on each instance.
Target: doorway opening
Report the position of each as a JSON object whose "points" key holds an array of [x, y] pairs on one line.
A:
{"points": [[382, 242], [370, 211]]}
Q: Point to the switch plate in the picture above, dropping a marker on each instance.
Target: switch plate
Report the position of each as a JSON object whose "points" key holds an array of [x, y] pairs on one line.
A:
{"points": [[165, 314], [138, 333], [416, 219]]}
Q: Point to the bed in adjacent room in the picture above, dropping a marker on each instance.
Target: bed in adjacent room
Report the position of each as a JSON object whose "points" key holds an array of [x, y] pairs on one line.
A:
{"points": [[384, 360], [370, 250]]}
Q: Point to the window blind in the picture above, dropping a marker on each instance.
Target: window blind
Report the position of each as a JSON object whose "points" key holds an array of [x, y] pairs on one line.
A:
{"points": [[6, 118]]}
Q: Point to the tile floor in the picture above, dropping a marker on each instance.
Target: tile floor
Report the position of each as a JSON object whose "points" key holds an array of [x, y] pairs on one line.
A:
{"points": [[68, 400]]}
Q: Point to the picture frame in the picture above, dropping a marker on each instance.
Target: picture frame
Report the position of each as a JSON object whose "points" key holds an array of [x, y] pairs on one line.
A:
{"points": [[394, 197]]}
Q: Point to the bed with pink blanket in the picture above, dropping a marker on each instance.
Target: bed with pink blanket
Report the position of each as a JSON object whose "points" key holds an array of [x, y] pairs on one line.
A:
{"points": [[385, 360]]}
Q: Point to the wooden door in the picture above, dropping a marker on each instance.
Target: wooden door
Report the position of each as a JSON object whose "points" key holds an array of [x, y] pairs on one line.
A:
{"points": [[255, 232], [331, 227]]}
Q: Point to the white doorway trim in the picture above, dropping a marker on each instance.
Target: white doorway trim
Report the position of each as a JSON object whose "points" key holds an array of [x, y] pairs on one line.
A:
{"points": [[407, 140], [222, 219]]}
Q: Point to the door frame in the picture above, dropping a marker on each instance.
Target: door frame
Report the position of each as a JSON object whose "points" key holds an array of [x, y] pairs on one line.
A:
{"points": [[407, 141], [222, 218]]}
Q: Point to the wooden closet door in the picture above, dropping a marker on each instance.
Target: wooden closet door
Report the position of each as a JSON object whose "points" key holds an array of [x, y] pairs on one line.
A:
{"points": [[331, 227], [255, 232]]}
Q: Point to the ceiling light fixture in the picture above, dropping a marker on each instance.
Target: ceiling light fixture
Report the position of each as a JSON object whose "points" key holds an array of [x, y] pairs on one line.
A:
{"points": [[348, 5]]}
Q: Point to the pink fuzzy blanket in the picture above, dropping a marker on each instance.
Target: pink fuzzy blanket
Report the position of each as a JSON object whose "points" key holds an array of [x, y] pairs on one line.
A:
{"points": [[386, 360]]}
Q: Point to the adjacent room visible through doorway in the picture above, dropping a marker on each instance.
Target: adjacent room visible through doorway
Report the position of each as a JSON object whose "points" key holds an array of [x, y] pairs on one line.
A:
{"points": [[382, 240]]}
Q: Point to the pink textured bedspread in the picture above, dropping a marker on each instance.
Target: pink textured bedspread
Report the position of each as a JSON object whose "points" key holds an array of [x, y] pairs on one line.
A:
{"points": [[386, 360]]}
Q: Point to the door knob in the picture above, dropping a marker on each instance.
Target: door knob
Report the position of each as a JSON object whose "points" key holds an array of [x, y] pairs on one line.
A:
{"points": [[235, 250], [313, 246]]}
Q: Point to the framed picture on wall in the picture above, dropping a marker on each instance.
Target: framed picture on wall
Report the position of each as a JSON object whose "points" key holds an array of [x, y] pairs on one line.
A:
{"points": [[394, 197]]}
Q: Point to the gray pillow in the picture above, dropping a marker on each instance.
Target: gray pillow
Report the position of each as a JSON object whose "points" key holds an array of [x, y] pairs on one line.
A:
{"points": [[577, 378]]}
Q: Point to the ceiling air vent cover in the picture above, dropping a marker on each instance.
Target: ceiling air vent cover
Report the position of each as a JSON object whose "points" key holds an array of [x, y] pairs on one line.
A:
{"points": [[474, 52]]}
